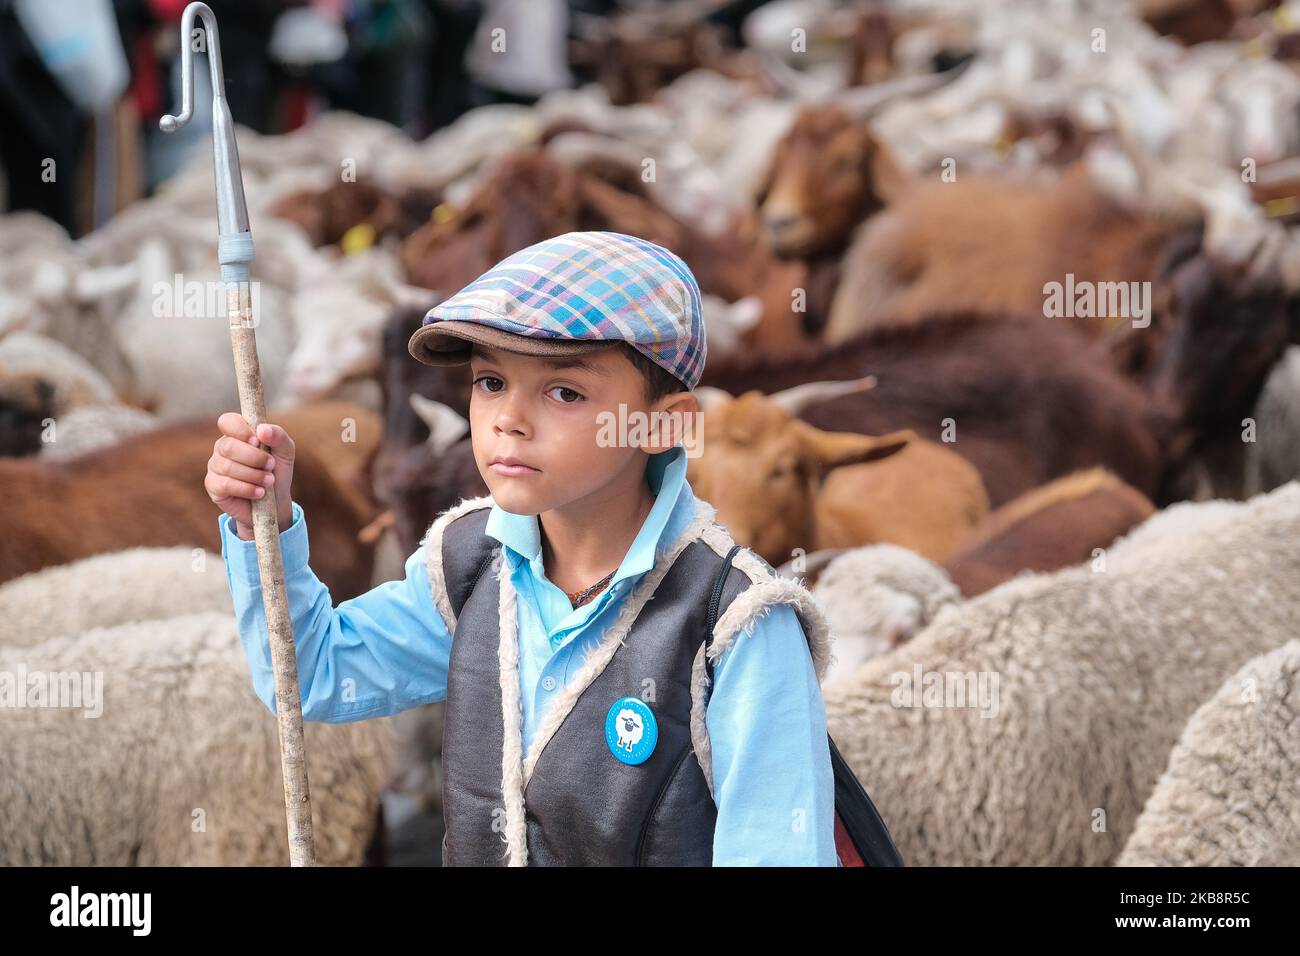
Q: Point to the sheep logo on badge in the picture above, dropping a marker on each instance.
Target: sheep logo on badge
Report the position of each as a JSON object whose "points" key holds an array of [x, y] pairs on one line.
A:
{"points": [[630, 730]]}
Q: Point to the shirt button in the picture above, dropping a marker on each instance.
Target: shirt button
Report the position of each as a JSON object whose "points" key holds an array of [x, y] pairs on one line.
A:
{"points": [[548, 682]]}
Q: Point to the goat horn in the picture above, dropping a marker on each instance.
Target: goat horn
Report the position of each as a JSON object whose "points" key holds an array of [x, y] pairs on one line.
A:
{"points": [[1289, 265], [865, 101], [446, 425], [796, 400], [1236, 232], [813, 564], [1164, 188], [373, 531], [790, 81], [576, 148], [710, 397]]}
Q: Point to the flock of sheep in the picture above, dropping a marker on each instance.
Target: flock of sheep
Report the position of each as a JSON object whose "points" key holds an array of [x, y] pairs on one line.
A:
{"points": [[1135, 708]]}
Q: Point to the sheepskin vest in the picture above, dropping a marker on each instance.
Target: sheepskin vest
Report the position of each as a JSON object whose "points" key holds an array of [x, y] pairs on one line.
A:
{"points": [[569, 801]]}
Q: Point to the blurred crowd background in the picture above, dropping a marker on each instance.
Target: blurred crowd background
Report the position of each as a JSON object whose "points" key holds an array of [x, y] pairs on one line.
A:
{"points": [[418, 64]]}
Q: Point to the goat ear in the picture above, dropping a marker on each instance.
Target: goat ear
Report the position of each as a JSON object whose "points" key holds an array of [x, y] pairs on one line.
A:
{"points": [[764, 184], [836, 449], [886, 176]]}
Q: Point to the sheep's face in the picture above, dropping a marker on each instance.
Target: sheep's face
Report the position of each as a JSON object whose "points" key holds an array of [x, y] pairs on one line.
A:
{"points": [[561, 422]]}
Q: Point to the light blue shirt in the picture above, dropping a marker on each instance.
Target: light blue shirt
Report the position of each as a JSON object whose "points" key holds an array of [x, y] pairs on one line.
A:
{"points": [[388, 650]]}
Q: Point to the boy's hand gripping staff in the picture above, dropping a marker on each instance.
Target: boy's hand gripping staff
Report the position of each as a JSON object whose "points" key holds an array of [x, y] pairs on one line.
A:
{"points": [[235, 252]]}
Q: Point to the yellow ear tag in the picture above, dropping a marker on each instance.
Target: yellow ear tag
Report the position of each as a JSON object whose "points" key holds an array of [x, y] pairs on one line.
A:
{"points": [[1282, 206], [358, 239]]}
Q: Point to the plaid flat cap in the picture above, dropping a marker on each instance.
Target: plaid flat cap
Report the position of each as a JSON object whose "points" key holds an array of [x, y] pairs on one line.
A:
{"points": [[575, 293]]}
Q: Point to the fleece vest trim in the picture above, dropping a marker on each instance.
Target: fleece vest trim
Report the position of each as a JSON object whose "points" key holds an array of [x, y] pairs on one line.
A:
{"points": [[751, 589]]}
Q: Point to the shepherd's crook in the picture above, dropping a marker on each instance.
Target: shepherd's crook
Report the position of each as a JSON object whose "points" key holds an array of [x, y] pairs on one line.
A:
{"points": [[235, 252]]}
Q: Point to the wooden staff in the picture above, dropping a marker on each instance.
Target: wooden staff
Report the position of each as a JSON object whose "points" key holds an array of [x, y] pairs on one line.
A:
{"points": [[235, 252]]}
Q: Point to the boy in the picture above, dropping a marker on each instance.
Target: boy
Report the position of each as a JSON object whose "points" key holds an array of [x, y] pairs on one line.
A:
{"points": [[582, 727]]}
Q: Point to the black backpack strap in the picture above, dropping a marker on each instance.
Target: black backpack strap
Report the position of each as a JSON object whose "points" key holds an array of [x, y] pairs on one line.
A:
{"points": [[856, 816], [711, 619], [859, 817]]}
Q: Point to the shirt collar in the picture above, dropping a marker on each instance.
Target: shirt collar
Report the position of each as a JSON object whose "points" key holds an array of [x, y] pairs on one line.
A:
{"points": [[666, 475]]}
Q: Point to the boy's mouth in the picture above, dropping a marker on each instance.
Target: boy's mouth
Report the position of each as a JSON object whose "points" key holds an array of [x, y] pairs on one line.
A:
{"points": [[512, 467]]}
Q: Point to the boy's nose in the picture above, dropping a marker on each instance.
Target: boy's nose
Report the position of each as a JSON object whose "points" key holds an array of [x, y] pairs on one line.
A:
{"points": [[511, 414], [511, 419]]}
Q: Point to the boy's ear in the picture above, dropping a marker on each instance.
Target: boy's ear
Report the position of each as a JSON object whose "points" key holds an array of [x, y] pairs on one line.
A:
{"points": [[674, 419]]}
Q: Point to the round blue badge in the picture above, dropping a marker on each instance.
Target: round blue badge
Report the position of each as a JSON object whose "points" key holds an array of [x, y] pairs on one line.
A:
{"points": [[631, 730]]}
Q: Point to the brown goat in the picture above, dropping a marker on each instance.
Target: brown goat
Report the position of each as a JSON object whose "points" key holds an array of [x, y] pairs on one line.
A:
{"points": [[1060, 524], [635, 53], [1191, 21], [148, 491], [326, 216], [532, 196], [871, 48], [1024, 402], [828, 174], [926, 498], [780, 485], [529, 196], [1038, 401], [899, 247], [991, 245]]}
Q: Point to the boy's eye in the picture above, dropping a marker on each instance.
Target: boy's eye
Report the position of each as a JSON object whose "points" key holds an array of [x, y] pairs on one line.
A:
{"points": [[481, 380], [564, 391]]}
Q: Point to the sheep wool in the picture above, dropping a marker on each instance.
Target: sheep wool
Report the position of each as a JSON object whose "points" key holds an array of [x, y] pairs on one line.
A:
{"points": [[120, 587], [1028, 726], [1230, 795], [181, 767], [877, 597]]}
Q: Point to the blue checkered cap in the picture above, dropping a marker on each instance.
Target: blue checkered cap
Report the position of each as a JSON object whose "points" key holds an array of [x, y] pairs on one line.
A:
{"points": [[574, 293]]}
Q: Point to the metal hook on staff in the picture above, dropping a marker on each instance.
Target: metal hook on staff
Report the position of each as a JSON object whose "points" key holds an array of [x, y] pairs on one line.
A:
{"points": [[235, 253], [235, 242]]}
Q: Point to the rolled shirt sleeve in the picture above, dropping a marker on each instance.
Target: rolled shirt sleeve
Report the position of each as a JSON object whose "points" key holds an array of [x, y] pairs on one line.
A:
{"points": [[772, 777], [374, 655]]}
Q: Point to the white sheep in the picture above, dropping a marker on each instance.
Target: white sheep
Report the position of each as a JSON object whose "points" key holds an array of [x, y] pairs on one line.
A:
{"points": [[1231, 795], [877, 597], [85, 429], [1076, 685], [175, 339], [339, 322], [76, 382], [85, 411], [457, 151], [37, 263], [1180, 518], [145, 307], [1274, 457], [182, 764], [120, 587]]}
